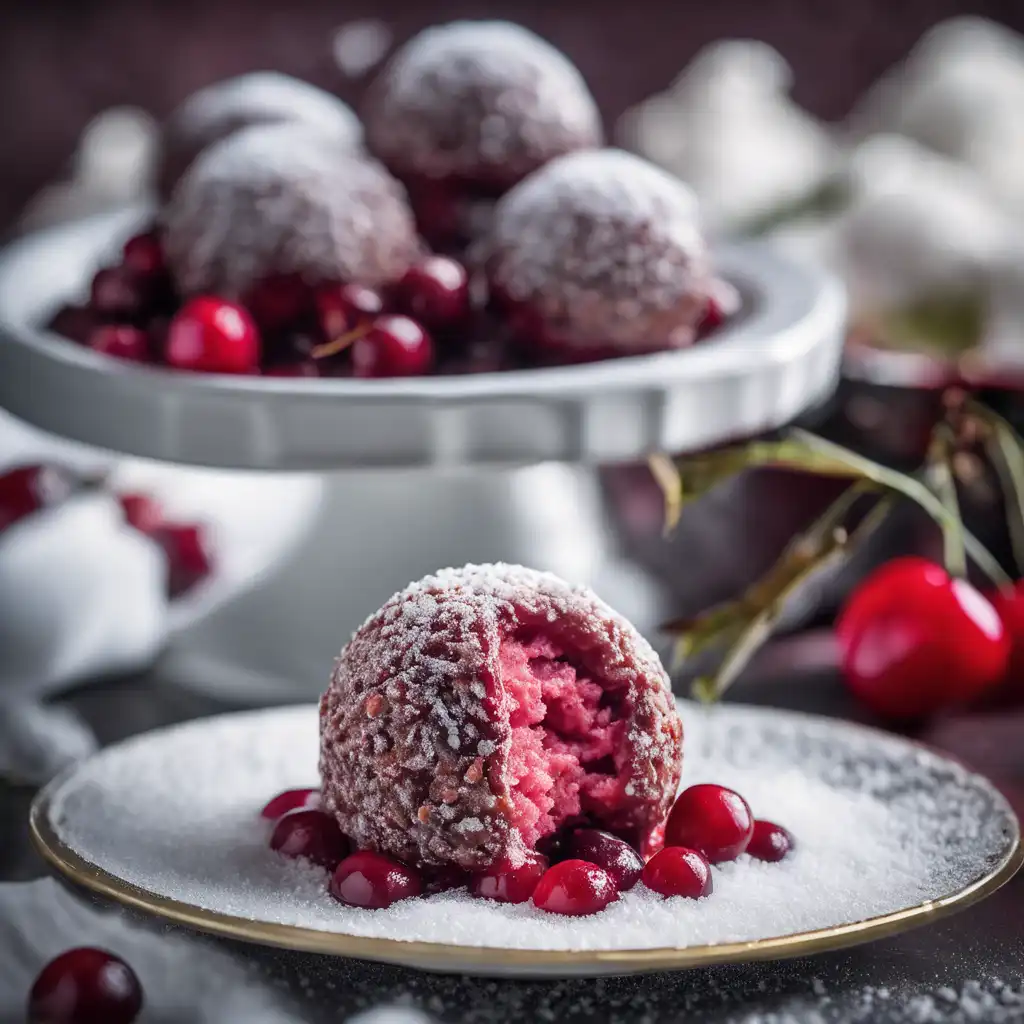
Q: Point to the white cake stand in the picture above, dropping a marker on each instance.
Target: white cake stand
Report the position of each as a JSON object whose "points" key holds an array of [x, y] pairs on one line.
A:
{"points": [[421, 473]]}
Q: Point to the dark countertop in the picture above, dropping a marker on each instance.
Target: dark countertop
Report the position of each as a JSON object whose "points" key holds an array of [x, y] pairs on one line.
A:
{"points": [[966, 968]]}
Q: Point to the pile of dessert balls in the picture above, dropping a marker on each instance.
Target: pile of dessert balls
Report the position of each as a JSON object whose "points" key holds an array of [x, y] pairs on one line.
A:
{"points": [[496, 730], [472, 222]]}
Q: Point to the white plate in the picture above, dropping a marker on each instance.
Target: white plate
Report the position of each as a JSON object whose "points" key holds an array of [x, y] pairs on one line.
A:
{"points": [[888, 835], [777, 358]]}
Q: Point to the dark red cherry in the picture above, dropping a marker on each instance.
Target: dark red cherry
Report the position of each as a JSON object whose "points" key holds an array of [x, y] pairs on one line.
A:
{"points": [[676, 871], [617, 857], [291, 800], [575, 888], [212, 335], [28, 489], [121, 341], [117, 294], [395, 346], [74, 322], [189, 560], [141, 511], [507, 883], [711, 819], [435, 293], [373, 881], [341, 308], [85, 986], [144, 255], [769, 842], [279, 302], [311, 834]]}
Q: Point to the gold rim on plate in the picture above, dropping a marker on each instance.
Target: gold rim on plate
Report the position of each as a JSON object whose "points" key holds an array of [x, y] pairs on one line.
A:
{"points": [[439, 956]]}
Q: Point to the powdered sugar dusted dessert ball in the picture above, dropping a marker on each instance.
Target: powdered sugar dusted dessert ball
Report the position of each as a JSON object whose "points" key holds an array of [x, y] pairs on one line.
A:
{"points": [[464, 111], [599, 254], [263, 97], [276, 200], [483, 708]]}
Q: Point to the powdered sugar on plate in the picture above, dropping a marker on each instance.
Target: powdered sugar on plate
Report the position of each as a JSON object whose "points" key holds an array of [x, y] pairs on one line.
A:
{"points": [[881, 825]]}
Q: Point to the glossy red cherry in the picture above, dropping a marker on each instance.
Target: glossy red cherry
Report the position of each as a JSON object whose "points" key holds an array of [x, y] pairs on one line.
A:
{"points": [[212, 335], [914, 640], [373, 881], [575, 888], [341, 308], [394, 347], [28, 489], [121, 341], [117, 294], [508, 884], [310, 834], [144, 255], [85, 986], [677, 871], [769, 842], [74, 322], [141, 511], [279, 302], [1010, 607], [617, 857], [189, 560], [711, 819], [291, 800], [435, 293]]}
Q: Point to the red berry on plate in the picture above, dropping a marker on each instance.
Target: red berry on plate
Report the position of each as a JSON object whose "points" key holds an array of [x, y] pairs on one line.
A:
{"points": [[711, 819], [394, 347], [575, 888], [373, 881], [615, 855], [74, 322], [291, 800], [141, 511], [121, 341], [189, 561], [311, 834], [279, 302], [29, 489], [144, 255], [508, 884], [914, 640], [435, 293], [117, 293], [769, 842], [85, 986], [677, 871], [341, 308], [211, 335]]}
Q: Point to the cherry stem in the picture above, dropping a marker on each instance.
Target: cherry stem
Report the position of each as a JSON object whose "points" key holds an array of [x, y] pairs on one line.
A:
{"points": [[342, 342], [940, 470]]}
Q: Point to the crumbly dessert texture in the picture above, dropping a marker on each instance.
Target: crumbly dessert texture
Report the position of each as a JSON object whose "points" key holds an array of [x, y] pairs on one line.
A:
{"points": [[479, 100], [282, 199], [481, 708]]}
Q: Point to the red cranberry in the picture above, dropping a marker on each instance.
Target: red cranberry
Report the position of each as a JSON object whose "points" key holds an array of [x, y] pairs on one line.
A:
{"points": [[117, 294], [677, 871], [341, 308], [575, 888], [188, 556], [212, 335], [74, 322], [144, 255], [141, 511], [508, 884], [121, 341], [712, 820], [769, 842], [435, 293], [303, 368], [914, 640], [394, 347], [279, 302], [28, 489], [373, 881], [311, 834], [291, 800], [85, 986], [617, 857]]}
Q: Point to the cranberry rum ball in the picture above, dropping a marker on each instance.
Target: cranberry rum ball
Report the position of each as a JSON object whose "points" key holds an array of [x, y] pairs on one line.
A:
{"points": [[464, 111], [484, 708], [599, 254], [263, 97], [276, 203]]}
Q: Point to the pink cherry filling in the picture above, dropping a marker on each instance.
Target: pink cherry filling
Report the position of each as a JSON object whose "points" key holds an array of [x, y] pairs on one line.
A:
{"points": [[565, 762]]}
